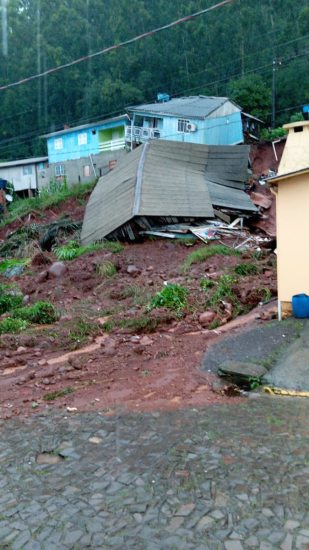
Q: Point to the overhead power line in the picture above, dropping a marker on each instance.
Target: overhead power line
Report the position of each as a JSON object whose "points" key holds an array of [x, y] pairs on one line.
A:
{"points": [[117, 46]]}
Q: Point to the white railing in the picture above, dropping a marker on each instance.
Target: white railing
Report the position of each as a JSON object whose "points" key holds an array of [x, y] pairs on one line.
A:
{"points": [[112, 145], [138, 134]]}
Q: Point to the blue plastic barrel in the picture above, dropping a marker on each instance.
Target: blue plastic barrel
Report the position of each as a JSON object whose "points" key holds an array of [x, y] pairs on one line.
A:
{"points": [[300, 306]]}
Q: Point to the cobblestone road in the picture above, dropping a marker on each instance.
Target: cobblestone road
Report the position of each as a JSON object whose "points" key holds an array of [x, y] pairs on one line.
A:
{"points": [[227, 477]]}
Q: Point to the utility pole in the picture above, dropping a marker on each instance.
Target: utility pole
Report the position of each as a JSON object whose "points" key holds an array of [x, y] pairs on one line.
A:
{"points": [[276, 63], [273, 104]]}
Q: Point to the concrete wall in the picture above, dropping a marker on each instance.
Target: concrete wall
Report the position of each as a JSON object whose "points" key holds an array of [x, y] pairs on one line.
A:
{"points": [[292, 233], [75, 169]]}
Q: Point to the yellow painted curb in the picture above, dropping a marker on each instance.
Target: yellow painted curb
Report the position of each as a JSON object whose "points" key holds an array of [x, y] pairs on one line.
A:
{"points": [[289, 393]]}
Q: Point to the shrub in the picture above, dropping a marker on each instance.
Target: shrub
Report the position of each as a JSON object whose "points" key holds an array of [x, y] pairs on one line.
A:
{"points": [[42, 313], [9, 302], [12, 325], [172, 296]]}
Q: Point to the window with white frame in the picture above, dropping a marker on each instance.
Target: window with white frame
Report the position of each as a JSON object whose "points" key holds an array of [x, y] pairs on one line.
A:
{"points": [[183, 125], [59, 170], [58, 143], [82, 139], [27, 170]]}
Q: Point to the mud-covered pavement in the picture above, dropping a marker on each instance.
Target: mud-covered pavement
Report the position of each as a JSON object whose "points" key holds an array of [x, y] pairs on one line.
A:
{"points": [[223, 478]]}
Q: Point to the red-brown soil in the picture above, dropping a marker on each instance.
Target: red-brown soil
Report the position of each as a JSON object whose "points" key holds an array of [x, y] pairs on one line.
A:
{"points": [[115, 365]]}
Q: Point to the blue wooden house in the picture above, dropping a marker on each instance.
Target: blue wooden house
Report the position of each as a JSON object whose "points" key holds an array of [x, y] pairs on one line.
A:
{"points": [[197, 119], [87, 140]]}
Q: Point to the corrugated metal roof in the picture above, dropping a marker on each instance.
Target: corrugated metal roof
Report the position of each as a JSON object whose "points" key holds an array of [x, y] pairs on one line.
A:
{"points": [[111, 202], [187, 107], [167, 178], [174, 182], [229, 197]]}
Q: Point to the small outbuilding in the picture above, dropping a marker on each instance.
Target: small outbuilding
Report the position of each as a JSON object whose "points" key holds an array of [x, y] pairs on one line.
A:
{"points": [[291, 186]]}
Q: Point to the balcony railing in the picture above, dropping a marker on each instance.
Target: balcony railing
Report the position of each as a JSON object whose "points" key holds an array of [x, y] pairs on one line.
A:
{"points": [[112, 145], [137, 134]]}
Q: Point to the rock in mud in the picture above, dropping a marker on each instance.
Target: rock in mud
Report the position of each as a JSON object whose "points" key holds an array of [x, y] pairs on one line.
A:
{"points": [[109, 346], [146, 341], [57, 269], [133, 270], [76, 362], [206, 318]]}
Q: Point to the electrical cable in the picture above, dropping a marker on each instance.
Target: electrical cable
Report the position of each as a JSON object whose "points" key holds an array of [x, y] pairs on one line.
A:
{"points": [[117, 46]]}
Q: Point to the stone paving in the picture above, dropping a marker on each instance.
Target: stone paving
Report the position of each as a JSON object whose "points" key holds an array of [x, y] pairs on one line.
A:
{"points": [[226, 477]]}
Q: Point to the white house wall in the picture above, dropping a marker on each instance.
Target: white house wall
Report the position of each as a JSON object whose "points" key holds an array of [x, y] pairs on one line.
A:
{"points": [[16, 176]]}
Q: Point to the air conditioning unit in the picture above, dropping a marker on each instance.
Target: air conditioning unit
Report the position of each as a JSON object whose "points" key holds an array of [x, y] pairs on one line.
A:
{"points": [[191, 127]]}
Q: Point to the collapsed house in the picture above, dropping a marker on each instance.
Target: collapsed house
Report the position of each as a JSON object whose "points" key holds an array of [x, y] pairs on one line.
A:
{"points": [[166, 182]]}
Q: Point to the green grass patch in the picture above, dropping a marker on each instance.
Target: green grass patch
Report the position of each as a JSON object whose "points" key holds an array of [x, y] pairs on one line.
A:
{"points": [[10, 325], [55, 394], [80, 332], [73, 250], [107, 269], [42, 313], [206, 252], [172, 296], [206, 284], [223, 291], [246, 269], [52, 195]]}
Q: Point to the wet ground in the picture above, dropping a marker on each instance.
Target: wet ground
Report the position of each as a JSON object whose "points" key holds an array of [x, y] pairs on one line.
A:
{"points": [[228, 477]]}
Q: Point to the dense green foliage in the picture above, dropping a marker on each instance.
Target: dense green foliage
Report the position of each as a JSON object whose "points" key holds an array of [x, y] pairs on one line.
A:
{"points": [[10, 325], [41, 313], [227, 51], [9, 301]]}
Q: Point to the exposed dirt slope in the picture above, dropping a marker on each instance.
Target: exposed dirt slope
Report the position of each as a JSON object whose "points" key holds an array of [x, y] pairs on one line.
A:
{"points": [[134, 358]]}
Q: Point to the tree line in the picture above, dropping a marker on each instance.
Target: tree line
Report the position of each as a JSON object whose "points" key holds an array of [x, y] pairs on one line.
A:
{"points": [[231, 51]]}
